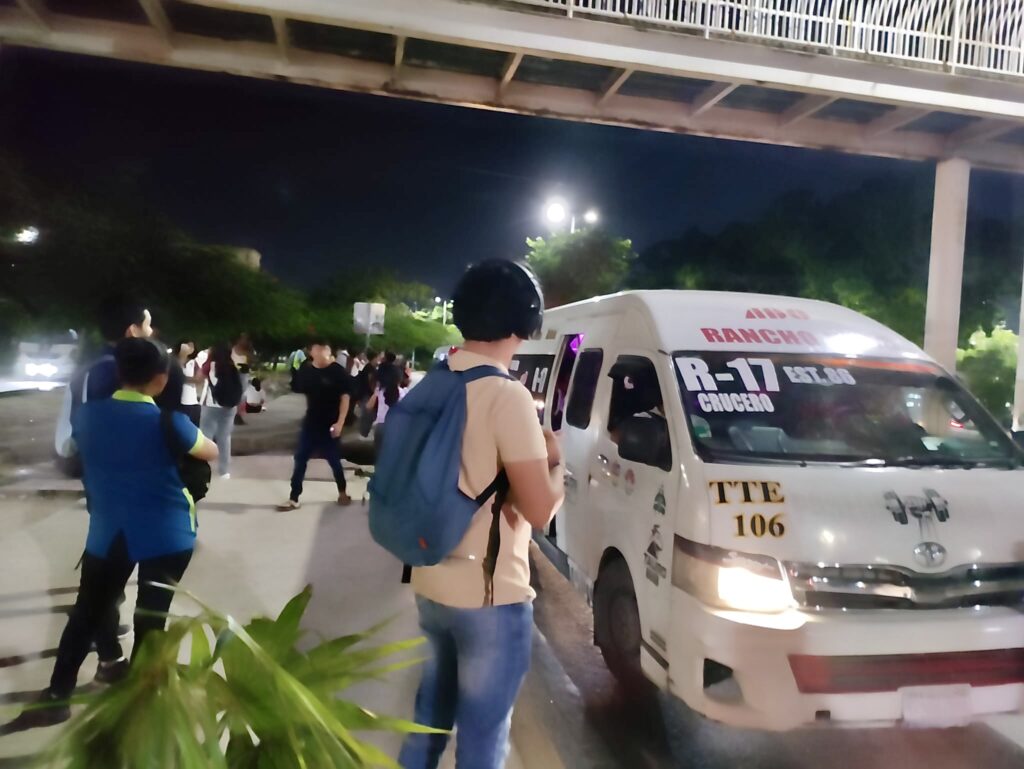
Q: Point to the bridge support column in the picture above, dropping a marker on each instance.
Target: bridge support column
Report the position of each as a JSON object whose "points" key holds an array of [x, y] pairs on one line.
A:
{"points": [[1018, 389], [946, 266]]}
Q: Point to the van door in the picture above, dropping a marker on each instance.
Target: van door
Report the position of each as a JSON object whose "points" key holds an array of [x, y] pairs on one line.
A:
{"points": [[578, 447], [634, 500]]}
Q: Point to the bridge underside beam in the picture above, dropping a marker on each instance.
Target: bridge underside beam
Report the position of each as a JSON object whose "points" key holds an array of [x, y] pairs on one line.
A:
{"points": [[145, 44]]}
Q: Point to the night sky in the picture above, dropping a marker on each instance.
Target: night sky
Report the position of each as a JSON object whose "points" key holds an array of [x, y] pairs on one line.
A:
{"points": [[317, 180]]}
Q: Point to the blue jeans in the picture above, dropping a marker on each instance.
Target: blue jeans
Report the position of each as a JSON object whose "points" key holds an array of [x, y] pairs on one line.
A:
{"points": [[315, 439], [217, 424], [477, 663]]}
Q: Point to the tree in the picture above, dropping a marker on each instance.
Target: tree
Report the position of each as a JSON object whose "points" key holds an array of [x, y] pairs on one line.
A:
{"points": [[989, 366], [573, 266], [866, 249]]}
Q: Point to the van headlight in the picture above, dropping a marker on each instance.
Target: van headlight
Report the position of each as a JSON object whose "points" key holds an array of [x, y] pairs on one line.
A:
{"points": [[728, 579], [41, 369]]}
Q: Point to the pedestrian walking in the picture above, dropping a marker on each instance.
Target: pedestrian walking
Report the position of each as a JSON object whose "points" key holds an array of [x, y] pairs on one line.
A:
{"points": [[186, 355], [138, 514], [222, 392], [244, 357], [119, 317], [379, 406], [475, 609], [328, 390], [365, 387]]}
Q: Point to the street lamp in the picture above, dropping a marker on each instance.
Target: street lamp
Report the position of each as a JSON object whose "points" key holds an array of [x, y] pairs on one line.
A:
{"points": [[27, 235], [444, 309], [557, 210]]}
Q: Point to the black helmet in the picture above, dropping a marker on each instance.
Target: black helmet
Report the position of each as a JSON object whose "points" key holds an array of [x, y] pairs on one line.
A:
{"points": [[497, 298]]}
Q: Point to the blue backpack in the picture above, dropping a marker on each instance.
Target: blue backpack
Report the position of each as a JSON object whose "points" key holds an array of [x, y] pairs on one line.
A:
{"points": [[417, 511]]}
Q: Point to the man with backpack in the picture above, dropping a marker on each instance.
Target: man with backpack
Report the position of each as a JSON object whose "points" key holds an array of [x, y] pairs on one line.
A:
{"points": [[328, 390], [139, 514], [465, 473], [119, 317]]}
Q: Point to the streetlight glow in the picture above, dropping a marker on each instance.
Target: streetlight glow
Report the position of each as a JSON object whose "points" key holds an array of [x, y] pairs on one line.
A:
{"points": [[437, 300], [27, 235], [555, 211], [590, 217]]}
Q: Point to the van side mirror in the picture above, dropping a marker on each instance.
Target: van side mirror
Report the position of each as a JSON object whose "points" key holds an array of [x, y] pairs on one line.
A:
{"points": [[645, 440]]}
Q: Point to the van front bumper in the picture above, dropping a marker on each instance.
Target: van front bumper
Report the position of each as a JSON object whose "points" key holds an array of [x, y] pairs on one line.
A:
{"points": [[800, 667]]}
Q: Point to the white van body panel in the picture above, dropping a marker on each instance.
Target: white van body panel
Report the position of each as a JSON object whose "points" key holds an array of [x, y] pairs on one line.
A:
{"points": [[823, 515]]}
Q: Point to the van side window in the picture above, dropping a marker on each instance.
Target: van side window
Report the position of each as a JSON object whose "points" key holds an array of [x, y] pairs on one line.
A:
{"points": [[584, 385], [533, 371], [637, 400], [570, 351]]}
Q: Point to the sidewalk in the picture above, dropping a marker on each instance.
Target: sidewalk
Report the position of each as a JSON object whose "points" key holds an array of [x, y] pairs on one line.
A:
{"points": [[250, 560]]}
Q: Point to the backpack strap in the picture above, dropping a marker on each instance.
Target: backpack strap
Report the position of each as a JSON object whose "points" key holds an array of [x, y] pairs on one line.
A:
{"points": [[490, 564], [170, 437]]}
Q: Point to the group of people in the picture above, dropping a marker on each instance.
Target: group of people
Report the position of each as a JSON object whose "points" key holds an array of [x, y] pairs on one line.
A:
{"points": [[479, 627]]}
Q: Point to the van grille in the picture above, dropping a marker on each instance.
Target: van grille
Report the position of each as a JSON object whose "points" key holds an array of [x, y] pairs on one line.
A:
{"points": [[817, 586]]}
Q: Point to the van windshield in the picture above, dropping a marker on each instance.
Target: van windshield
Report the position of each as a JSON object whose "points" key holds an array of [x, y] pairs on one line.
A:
{"points": [[823, 408]]}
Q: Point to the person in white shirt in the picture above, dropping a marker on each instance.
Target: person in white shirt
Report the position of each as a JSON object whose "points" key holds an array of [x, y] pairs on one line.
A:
{"points": [[255, 397], [185, 352]]}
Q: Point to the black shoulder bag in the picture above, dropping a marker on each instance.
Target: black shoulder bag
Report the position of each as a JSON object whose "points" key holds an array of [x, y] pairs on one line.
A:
{"points": [[195, 473]]}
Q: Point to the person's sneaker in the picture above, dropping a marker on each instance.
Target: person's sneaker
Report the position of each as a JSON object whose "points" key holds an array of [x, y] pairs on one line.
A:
{"points": [[225, 477], [344, 499], [47, 710], [291, 504], [111, 672]]}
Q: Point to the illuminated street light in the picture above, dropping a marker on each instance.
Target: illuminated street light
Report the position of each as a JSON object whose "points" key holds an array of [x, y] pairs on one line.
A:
{"points": [[27, 235], [444, 309], [557, 211]]}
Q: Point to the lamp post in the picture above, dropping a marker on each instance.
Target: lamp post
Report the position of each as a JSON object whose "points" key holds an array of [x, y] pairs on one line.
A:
{"points": [[444, 309], [557, 210]]}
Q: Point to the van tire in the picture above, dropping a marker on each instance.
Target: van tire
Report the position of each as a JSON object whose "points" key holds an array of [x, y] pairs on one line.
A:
{"points": [[617, 631]]}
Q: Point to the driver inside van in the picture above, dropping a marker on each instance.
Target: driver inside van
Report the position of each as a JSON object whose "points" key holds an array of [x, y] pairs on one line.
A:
{"points": [[634, 394]]}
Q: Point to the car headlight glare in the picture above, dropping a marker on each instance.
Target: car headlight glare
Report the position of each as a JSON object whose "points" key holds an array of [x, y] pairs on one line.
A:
{"points": [[728, 579]]}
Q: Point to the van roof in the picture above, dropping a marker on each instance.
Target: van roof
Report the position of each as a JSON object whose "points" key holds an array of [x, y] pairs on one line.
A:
{"points": [[718, 320]]}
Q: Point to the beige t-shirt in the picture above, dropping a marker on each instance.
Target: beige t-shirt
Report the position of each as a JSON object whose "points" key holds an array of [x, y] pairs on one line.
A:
{"points": [[501, 427]]}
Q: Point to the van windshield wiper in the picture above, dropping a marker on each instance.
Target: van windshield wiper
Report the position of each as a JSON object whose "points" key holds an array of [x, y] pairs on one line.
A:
{"points": [[942, 461]]}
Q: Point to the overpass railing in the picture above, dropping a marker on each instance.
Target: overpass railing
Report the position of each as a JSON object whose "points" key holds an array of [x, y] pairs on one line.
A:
{"points": [[979, 35]]}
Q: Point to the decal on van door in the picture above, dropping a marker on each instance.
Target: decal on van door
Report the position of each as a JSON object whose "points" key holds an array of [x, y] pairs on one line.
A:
{"points": [[738, 497], [655, 571]]}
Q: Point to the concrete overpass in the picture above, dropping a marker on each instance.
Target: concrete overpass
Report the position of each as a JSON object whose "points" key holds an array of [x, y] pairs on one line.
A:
{"points": [[931, 80]]}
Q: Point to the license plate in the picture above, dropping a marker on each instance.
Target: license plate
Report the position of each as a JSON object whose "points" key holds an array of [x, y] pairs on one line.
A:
{"points": [[937, 706]]}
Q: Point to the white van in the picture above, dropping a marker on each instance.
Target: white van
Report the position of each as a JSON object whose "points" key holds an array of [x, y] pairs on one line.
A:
{"points": [[782, 511]]}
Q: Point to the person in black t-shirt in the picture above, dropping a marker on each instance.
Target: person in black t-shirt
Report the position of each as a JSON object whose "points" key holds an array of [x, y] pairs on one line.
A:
{"points": [[328, 390]]}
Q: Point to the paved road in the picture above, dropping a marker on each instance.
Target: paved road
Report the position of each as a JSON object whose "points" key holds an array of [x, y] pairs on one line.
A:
{"points": [[28, 421]]}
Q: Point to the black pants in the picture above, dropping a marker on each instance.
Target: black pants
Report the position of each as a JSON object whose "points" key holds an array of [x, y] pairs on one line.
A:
{"points": [[316, 440], [193, 413], [103, 580]]}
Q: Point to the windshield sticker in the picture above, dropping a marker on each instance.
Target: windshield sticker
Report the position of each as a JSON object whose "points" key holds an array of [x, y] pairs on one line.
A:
{"points": [[769, 313], [753, 374], [760, 336], [815, 375], [742, 402]]}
